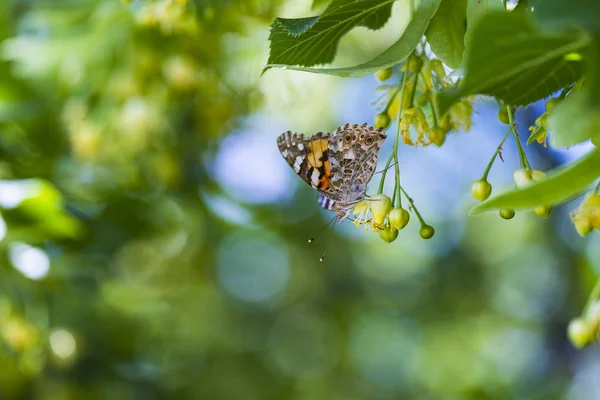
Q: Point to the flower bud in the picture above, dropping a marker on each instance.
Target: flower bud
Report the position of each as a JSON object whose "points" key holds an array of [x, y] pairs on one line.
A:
{"points": [[507, 213], [481, 189], [542, 211], [579, 333], [389, 233], [426, 231], [398, 218], [524, 177], [382, 120], [384, 74]]}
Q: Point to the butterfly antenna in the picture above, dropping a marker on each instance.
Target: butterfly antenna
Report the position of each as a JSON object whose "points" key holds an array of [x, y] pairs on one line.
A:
{"points": [[312, 239], [327, 244], [379, 172]]}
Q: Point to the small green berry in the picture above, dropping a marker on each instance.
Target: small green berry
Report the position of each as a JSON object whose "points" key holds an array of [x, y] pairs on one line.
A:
{"points": [[398, 218], [542, 211], [389, 233], [579, 333], [481, 189], [382, 120], [426, 231], [384, 74], [507, 213]]}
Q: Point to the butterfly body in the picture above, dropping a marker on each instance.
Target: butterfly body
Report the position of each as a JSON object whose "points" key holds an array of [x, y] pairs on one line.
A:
{"points": [[338, 166]]}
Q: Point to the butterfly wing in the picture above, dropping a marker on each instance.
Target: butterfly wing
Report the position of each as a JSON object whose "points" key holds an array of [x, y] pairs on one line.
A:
{"points": [[354, 151], [309, 158]]}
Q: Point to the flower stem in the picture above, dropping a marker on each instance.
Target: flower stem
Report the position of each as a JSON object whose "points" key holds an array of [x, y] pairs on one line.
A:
{"points": [[597, 188], [489, 166], [397, 185], [522, 155], [412, 205], [594, 294], [395, 150]]}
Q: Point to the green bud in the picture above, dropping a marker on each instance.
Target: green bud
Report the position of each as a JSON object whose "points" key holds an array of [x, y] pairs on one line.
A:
{"points": [[426, 231], [542, 211], [579, 333], [507, 213], [384, 74], [398, 218], [481, 189], [382, 120], [389, 233]]}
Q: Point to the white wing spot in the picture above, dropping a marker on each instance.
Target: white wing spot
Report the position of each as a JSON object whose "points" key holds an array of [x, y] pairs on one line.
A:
{"points": [[315, 176], [300, 146]]}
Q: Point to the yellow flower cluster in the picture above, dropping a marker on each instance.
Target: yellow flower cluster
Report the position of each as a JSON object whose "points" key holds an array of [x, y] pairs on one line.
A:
{"points": [[539, 131], [587, 217], [375, 211], [420, 123]]}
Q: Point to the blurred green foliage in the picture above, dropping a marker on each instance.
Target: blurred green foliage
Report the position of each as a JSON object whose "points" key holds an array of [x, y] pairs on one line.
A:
{"points": [[119, 281]]}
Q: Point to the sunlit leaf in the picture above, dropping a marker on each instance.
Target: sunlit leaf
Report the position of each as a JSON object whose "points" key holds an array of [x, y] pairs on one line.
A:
{"points": [[446, 32], [395, 54], [574, 120], [510, 59], [314, 40]]}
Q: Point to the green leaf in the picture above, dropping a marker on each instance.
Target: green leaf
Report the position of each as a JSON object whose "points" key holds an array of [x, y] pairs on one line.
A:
{"points": [[295, 26], [524, 5], [476, 9], [511, 60], [446, 32], [314, 40], [568, 15], [395, 54], [574, 120], [316, 4], [560, 185]]}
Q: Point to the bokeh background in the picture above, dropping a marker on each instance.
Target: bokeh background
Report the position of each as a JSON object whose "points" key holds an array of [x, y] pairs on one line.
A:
{"points": [[154, 242]]}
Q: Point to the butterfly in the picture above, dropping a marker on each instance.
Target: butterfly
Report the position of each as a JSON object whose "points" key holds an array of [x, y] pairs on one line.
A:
{"points": [[338, 166]]}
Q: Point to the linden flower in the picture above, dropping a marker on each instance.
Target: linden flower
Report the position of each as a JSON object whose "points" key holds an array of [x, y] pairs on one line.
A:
{"points": [[373, 211], [524, 177], [587, 217]]}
